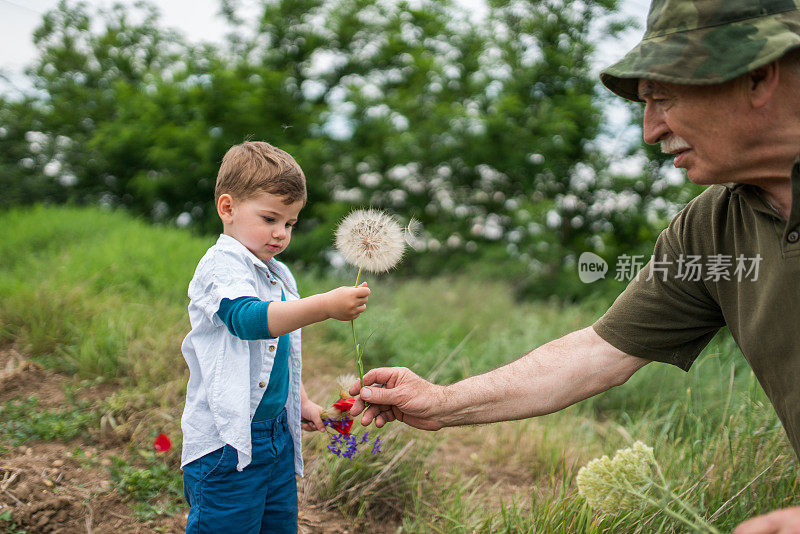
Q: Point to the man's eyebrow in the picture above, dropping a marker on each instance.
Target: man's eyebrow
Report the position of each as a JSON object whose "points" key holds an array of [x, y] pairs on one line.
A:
{"points": [[646, 90], [649, 88]]}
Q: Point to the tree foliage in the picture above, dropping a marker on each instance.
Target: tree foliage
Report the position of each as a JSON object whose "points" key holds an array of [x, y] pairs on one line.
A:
{"points": [[481, 128]]}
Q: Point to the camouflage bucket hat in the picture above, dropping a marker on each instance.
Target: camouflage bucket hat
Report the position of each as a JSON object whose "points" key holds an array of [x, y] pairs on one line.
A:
{"points": [[704, 42]]}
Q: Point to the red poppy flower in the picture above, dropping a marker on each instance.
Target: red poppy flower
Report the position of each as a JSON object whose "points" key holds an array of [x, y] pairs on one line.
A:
{"points": [[343, 426], [162, 443], [344, 405]]}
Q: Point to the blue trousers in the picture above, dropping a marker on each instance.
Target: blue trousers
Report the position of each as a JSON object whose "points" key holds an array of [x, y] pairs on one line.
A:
{"points": [[260, 498]]}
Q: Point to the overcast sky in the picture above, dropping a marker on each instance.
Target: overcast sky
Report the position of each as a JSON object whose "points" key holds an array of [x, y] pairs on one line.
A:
{"points": [[198, 20]]}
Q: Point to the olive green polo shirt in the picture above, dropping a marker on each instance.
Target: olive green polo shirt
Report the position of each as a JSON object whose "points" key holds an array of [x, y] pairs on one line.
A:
{"points": [[703, 276]]}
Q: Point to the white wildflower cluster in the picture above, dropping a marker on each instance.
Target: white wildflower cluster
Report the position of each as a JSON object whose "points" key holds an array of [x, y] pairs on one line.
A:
{"points": [[612, 484], [370, 240]]}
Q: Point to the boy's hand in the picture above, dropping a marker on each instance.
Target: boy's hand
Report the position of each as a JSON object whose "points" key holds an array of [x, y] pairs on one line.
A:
{"points": [[346, 303], [310, 415]]}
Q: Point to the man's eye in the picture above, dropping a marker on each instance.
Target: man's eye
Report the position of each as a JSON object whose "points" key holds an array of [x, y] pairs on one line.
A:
{"points": [[289, 225], [269, 219]]}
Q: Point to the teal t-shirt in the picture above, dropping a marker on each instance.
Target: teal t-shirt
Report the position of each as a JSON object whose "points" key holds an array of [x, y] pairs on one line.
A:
{"points": [[246, 318]]}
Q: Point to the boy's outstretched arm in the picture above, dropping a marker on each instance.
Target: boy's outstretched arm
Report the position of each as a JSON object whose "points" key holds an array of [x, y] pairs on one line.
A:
{"points": [[343, 303]]}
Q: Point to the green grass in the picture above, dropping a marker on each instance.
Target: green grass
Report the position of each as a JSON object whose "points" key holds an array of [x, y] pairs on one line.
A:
{"points": [[22, 421], [103, 296], [145, 484]]}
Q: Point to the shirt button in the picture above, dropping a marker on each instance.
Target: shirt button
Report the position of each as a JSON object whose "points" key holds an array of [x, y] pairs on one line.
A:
{"points": [[273, 282], [272, 348], [261, 384], [793, 236]]}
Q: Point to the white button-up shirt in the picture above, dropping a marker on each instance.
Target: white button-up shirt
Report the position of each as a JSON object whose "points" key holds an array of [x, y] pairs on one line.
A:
{"points": [[224, 371]]}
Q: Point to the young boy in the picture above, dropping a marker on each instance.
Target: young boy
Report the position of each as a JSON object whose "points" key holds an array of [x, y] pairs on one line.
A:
{"points": [[244, 400]]}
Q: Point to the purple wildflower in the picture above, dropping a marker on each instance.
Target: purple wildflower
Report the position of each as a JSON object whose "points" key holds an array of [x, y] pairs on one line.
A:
{"points": [[352, 447], [347, 445]]}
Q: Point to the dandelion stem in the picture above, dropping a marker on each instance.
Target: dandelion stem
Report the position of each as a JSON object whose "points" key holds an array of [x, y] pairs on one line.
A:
{"points": [[359, 363]]}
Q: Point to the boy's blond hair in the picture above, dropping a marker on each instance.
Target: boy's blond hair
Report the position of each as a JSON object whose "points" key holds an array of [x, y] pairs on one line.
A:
{"points": [[254, 167]]}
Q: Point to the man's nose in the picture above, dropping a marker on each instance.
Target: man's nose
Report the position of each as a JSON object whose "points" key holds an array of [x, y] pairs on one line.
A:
{"points": [[654, 127]]}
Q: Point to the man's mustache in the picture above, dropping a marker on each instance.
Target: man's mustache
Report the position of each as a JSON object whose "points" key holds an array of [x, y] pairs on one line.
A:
{"points": [[673, 144]]}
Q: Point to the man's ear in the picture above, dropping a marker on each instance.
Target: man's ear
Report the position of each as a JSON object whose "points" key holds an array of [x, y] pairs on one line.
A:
{"points": [[225, 208], [763, 82]]}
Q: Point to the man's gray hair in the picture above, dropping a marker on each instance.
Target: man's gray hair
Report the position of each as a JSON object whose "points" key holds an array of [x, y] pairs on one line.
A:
{"points": [[792, 59]]}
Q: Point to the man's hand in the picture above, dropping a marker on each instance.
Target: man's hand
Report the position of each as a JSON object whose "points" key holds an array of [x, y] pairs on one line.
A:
{"points": [[404, 396], [786, 521], [346, 303]]}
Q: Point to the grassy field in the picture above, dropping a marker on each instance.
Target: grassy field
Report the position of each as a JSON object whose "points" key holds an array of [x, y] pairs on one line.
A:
{"points": [[100, 299]]}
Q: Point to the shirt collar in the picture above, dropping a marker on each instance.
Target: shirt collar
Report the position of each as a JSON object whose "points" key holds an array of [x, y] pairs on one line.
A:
{"points": [[794, 213], [273, 268], [757, 202], [752, 197], [227, 242]]}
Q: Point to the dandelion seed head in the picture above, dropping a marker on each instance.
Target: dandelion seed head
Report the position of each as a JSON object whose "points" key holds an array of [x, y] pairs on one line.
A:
{"points": [[343, 383], [371, 240], [607, 483], [413, 234]]}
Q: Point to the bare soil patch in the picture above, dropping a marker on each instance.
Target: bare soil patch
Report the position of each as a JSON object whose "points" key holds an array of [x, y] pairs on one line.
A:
{"points": [[44, 486], [49, 490]]}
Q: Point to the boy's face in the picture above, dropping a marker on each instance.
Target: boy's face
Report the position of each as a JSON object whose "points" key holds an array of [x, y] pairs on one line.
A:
{"points": [[262, 223]]}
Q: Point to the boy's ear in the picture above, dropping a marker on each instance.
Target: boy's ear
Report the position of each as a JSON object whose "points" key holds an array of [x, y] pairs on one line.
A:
{"points": [[225, 208]]}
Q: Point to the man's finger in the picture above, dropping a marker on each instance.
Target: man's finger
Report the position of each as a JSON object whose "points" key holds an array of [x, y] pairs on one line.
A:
{"points": [[771, 523], [375, 395], [372, 377], [382, 375], [370, 414], [358, 405], [758, 525]]}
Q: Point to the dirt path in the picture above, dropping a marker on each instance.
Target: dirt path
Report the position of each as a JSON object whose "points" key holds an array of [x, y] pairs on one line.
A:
{"points": [[45, 485], [48, 488]]}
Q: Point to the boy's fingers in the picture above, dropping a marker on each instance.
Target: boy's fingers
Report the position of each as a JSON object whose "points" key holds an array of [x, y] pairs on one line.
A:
{"points": [[317, 423]]}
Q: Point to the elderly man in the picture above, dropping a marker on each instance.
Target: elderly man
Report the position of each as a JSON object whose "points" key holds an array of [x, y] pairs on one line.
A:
{"points": [[720, 81]]}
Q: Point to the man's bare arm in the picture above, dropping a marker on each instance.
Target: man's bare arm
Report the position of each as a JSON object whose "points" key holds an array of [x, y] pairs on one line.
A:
{"points": [[549, 378], [546, 380]]}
